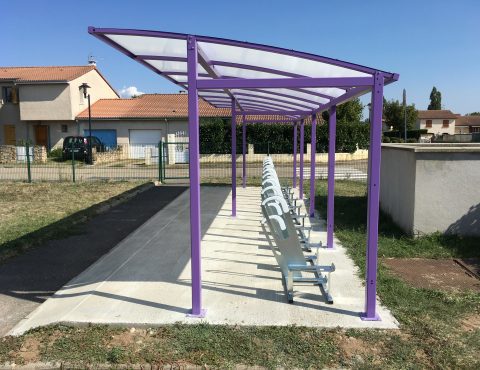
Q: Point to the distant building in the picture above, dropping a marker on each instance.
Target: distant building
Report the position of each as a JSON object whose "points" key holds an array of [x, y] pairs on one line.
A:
{"points": [[39, 104], [437, 122], [467, 125]]}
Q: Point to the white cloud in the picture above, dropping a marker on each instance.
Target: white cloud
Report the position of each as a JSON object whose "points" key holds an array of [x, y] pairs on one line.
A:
{"points": [[128, 92]]}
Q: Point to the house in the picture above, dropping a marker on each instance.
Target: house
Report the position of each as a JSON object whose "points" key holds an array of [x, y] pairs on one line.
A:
{"points": [[141, 122], [467, 125], [436, 122], [43, 105], [39, 104]]}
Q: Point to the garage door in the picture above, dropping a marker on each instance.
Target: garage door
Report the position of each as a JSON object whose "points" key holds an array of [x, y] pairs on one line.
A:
{"points": [[143, 140], [107, 137]]}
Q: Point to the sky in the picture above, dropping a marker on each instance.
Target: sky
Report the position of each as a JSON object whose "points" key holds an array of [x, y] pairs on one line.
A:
{"points": [[429, 43]]}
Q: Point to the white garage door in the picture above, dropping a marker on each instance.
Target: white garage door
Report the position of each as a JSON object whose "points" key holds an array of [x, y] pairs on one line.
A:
{"points": [[141, 140]]}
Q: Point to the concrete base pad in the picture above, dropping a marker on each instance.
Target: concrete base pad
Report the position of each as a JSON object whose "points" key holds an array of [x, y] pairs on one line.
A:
{"points": [[145, 280]]}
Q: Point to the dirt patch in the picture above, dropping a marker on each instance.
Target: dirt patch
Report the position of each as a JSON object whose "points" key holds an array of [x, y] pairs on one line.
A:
{"points": [[353, 347], [30, 350], [471, 323], [441, 274]]}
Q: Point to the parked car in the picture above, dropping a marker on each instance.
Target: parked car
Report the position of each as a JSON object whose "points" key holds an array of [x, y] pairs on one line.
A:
{"points": [[79, 144]]}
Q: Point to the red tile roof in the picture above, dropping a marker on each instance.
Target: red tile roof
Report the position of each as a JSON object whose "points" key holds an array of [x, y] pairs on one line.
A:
{"points": [[151, 106], [468, 121], [439, 114], [44, 74], [158, 106]]}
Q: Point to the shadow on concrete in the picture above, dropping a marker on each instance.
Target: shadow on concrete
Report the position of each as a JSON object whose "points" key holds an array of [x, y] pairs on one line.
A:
{"points": [[468, 224], [29, 279]]}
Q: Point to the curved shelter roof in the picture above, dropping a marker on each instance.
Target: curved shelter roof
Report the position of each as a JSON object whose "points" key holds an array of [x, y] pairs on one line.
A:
{"points": [[262, 79]]}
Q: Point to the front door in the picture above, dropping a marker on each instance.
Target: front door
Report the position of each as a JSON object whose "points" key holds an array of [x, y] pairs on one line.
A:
{"points": [[9, 134], [41, 135]]}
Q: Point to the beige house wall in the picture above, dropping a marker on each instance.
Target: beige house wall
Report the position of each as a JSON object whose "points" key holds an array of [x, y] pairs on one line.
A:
{"points": [[9, 114], [99, 89], [46, 102], [437, 126]]}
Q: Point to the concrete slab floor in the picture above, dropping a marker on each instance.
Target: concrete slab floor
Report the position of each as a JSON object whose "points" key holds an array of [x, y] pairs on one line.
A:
{"points": [[145, 280]]}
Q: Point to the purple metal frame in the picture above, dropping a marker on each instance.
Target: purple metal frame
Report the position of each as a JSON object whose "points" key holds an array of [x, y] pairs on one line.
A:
{"points": [[234, 159], [244, 152], [332, 129], [352, 87], [313, 152], [194, 167], [374, 157], [294, 180], [302, 150]]}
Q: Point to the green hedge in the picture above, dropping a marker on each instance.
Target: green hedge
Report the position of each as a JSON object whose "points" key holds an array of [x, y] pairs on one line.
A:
{"points": [[215, 137]]}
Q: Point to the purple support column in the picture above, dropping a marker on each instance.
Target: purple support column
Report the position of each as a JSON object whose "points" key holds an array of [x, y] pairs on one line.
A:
{"points": [[244, 152], [294, 155], [302, 149], [373, 198], [332, 128], [194, 167], [234, 160], [311, 209]]}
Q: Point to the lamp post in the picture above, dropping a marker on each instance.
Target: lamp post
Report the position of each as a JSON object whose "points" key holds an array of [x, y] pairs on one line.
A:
{"points": [[405, 113], [84, 87]]}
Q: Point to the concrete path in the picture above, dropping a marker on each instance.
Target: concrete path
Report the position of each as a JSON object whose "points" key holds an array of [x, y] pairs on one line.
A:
{"points": [[28, 280], [145, 280]]}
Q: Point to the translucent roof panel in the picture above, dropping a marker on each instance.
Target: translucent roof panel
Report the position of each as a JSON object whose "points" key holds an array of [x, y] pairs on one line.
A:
{"points": [[271, 60], [319, 81]]}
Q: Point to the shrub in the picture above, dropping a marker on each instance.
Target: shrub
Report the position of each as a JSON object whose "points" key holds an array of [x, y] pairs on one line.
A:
{"points": [[55, 153], [215, 137], [411, 134]]}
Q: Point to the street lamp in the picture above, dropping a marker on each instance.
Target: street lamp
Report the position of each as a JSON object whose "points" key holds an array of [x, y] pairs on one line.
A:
{"points": [[84, 87]]}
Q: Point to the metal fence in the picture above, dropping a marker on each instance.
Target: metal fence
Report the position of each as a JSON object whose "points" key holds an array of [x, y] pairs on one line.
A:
{"points": [[172, 166]]}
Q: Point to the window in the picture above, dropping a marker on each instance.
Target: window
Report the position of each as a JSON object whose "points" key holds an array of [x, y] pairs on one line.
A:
{"points": [[446, 123], [476, 129], [64, 128], [428, 123], [7, 94]]}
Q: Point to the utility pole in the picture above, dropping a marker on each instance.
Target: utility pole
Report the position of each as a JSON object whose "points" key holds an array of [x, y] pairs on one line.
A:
{"points": [[405, 112]]}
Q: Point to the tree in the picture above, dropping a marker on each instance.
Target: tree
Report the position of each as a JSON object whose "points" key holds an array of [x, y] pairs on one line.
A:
{"points": [[393, 115], [435, 99], [474, 114], [349, 112]]}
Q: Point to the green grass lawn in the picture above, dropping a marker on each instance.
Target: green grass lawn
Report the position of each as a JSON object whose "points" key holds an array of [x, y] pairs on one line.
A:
{"points": [[33, 213], [434, 330]]}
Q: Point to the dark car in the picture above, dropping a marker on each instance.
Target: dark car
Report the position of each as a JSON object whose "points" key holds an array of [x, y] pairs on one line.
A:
{"points": [[79, 145]]}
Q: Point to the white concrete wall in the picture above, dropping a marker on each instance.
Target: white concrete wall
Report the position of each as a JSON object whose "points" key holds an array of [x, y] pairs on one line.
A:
{"points": [[432, 187], [437, 126], [447, 193], [397, 186]]}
